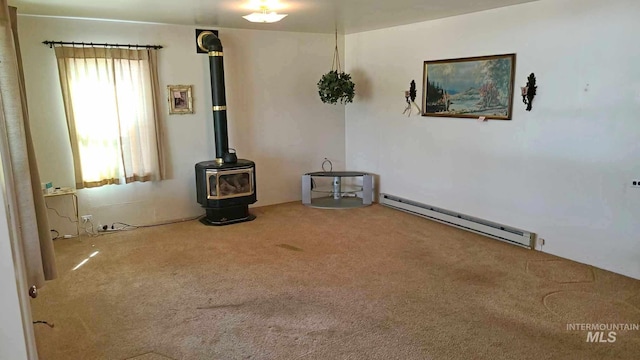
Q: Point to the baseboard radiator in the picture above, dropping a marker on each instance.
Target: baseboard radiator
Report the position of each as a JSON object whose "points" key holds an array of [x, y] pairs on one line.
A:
{"points": [[466, 222]]}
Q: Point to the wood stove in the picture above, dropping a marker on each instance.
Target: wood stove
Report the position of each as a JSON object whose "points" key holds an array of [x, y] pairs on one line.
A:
{"points": [[225, 186]]}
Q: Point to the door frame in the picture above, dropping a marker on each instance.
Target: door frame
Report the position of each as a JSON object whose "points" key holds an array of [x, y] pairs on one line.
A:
{"points": [[18, 333]]}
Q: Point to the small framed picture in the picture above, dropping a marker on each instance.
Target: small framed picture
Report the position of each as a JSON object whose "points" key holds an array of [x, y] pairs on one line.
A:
{"points": [[180, 99]]}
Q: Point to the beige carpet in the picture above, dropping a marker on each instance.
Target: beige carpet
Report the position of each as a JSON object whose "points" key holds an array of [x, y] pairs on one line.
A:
{"points": [[303, 283]]}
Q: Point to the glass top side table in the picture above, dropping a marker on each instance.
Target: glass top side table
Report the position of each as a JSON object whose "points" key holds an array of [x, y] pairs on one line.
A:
{"points": [[337, 189]]}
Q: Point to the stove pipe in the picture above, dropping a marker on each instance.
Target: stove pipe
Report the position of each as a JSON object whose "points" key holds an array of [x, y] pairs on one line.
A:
{"points": [[216, 68]]}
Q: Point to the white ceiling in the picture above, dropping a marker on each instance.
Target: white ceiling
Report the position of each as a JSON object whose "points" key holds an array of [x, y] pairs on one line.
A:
{"points": [[319, 16]]}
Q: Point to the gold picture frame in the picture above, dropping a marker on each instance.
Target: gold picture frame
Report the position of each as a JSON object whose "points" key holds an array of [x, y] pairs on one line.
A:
{"points": [[180, 99], [474, 87]]}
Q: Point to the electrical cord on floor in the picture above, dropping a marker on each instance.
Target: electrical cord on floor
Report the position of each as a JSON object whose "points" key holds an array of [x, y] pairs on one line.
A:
{"points": [[57, 236], [127, 227], [91, 233], [52, 325], [62, 216], [106, 229], [159, 224]]}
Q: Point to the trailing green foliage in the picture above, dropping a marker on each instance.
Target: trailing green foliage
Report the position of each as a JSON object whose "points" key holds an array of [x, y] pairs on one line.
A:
{"points": [[336, 86]]}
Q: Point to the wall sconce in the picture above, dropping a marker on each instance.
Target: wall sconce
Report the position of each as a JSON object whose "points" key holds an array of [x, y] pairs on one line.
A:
{"points": [[264, 16], [529, 91]]}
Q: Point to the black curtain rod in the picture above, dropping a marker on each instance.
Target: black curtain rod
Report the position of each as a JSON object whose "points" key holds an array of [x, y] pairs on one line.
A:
{"points": [[73, 43]]}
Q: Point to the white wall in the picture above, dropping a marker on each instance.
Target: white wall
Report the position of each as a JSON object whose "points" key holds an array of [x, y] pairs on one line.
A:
{"points": [[275, 115], [562, 170]]}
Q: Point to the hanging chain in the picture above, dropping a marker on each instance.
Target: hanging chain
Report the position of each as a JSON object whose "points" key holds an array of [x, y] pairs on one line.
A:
{"points": [[336, 57]]}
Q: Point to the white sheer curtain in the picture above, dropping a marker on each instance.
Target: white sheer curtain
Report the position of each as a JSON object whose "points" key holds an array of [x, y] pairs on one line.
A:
{"points": [[114, 129]]}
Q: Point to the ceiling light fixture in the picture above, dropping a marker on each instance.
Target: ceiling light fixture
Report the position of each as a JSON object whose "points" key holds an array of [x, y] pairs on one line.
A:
{"points": [[264, 16]]}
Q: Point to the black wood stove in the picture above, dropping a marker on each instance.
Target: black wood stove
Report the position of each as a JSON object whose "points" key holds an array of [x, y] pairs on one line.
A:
{"points": [[225, 186]]}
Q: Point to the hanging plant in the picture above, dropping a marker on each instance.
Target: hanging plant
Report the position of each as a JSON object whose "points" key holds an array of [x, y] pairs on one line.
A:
{"points": [[336, 85]]}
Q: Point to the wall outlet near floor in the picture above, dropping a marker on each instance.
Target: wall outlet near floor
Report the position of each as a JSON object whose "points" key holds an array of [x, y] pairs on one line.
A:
{"points": [[635, 183], [86, 218]]}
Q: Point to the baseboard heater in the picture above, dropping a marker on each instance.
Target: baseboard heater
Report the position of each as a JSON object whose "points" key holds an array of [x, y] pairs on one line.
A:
{"points": [[466, 222]]}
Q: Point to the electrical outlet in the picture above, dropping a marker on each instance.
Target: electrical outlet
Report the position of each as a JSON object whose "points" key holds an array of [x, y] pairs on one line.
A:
{"points": [[86, 218], [635, 183]]}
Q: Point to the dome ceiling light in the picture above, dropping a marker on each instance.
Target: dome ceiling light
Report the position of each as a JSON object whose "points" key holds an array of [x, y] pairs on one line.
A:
{"points": [[265, 14]]}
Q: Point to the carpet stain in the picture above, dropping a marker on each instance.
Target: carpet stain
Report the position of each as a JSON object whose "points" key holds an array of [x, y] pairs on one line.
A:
{"points": [[289, 247], [150, 356], [561, 271], [221, 306], [487, 277]]}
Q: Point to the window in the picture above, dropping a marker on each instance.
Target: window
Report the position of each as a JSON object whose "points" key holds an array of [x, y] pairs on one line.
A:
{"points": [[109, 96]]}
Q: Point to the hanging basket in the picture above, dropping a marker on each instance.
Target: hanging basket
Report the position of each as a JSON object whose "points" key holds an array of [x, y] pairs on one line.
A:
{"points": [[336, 85]]}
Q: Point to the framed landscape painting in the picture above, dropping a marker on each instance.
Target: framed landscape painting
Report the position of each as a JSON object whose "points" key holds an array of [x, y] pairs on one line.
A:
{"points": [[469, 87]]}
